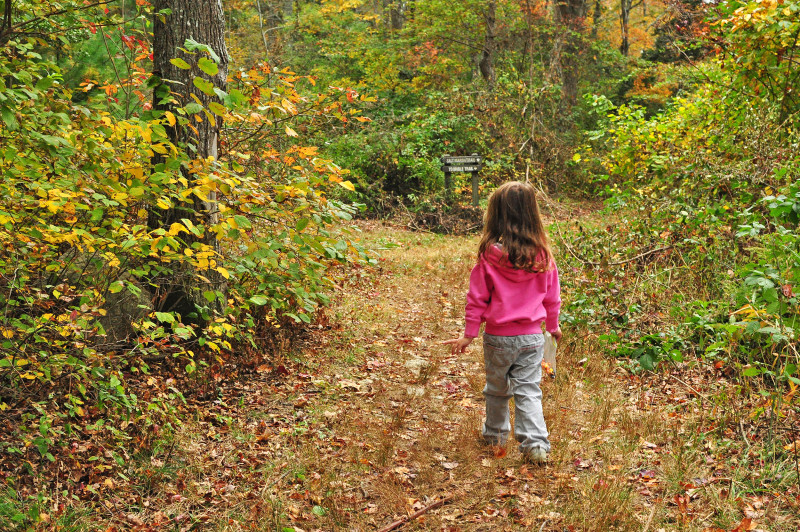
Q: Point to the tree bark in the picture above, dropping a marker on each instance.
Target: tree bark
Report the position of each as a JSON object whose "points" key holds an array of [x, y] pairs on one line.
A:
{"points": [[624, 18], [486, 64], [204, 22], [396, 15], [596, 16], [570, 14]]}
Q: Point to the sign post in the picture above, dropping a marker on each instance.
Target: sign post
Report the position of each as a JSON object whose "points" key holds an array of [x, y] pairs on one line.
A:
{"points": [[467, 163]]}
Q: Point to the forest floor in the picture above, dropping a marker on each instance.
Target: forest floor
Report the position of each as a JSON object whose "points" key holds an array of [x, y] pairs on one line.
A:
{"points": [[372, 420]]}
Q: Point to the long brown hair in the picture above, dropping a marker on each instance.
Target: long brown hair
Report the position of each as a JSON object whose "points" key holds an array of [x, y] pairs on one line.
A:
{"points": [[513, 221]]}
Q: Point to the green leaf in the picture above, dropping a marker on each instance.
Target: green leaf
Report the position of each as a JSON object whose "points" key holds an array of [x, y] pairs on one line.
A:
{"points": [[165, 317], [191, 44], [258, 300], [648, 362], [193, 107], [44, 83], [208, 66], [180, 63], [751, 372], [116, 287], [205, 86], [318, 510], [242, 222], [302, 223], [9, 118], [217, 108]]}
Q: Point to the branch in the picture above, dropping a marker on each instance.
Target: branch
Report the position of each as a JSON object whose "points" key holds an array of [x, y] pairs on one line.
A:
{"points": [[615, 263], [401, 522], [56, 13]]}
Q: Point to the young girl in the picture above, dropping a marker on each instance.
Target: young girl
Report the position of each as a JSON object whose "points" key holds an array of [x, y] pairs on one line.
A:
{"points": [[514, 289]]}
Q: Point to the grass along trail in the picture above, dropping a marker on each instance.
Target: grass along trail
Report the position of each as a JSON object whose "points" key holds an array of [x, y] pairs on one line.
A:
{"points": [[372, 420]]}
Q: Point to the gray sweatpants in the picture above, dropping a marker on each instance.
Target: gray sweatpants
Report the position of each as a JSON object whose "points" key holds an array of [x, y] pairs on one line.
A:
{"points": [[514, 367]]}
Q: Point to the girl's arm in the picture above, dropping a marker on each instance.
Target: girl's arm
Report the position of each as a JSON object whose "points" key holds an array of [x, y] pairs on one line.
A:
{"points": [[478, 297], [552, 303]]}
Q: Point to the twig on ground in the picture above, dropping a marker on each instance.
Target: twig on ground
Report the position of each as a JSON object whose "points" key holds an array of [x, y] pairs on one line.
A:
{"points": [[744, 434], [649, 519], [404, 520], [692, 388], [575, 409]]}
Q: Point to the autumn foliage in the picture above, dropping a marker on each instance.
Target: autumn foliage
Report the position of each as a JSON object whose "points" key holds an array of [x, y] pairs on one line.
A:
{"points": [[82, 324]]}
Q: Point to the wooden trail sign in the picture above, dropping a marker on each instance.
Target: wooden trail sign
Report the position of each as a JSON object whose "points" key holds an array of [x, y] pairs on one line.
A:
{"points": [[462, 163]]}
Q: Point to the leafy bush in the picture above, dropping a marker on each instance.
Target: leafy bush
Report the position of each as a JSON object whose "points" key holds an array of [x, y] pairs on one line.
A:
{"points": [[82, 314]]}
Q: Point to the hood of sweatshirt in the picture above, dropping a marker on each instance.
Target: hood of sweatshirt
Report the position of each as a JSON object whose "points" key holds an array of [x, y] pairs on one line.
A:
{"points": [[498, 259]]}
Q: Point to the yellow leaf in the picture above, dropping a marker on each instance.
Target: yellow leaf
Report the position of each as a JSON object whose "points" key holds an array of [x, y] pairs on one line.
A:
{"points": [[170, 118], [135, 171], [348, 185], [224, 272], [176, 228], [291, 132]]}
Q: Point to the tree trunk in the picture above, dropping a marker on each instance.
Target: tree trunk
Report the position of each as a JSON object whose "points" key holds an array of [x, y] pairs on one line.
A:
{"points": [[624, 17], [396, 15], [570, 15], [203, 22], [596, 16], [487, 57]]}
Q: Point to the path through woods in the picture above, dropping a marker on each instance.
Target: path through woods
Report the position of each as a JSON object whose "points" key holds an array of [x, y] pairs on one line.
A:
{"points": [[372, 420]]}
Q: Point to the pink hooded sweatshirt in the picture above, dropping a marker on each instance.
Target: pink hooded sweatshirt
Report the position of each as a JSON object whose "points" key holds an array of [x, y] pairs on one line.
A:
{"points": [[512, 302]]}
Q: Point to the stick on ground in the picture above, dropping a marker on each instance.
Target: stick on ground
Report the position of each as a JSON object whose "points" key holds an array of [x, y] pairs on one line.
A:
{"points": [[404, 520]]}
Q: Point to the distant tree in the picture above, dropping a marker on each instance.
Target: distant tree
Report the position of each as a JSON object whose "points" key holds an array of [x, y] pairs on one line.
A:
{"points": [[570, 16], [488, 53], [678, 33]]}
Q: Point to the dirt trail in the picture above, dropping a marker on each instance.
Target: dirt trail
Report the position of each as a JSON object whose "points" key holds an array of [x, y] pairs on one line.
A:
{"points": [[404, 415], [372, 420]]}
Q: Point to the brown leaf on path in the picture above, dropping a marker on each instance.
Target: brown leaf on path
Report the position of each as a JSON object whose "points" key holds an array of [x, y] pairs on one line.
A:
{"points": [[792, 447], [746, 524]]}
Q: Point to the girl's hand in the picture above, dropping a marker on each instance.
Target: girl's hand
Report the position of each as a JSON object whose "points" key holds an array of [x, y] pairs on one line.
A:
{"points": [[556, 334], [459, 345]]}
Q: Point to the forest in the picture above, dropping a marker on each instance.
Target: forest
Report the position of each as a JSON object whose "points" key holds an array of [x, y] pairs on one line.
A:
{"points": [[229, 256]]}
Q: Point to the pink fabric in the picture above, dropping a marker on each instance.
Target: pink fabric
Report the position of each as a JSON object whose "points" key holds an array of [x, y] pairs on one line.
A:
{"points": [[512, 302]]}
